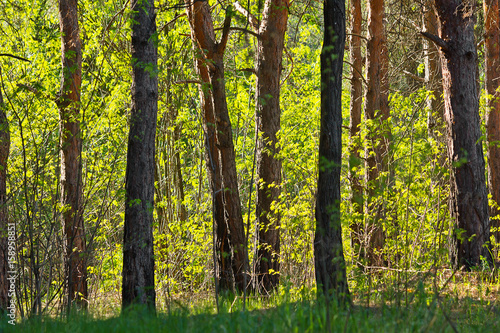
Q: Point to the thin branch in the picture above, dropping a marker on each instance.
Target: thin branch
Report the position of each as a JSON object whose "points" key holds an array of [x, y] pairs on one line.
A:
{"points": [[14, 56], [251, 70], [360, 74], [357, 35], [291, 69], [250, 32], [436, 40], [414, 77], [188, 82], [254, 22]]}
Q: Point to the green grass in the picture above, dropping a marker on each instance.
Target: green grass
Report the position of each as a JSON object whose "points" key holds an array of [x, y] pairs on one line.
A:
{"points": [[283, 313]]}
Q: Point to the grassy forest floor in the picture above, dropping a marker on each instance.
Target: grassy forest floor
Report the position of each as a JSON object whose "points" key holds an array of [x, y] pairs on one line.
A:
{"points": [[443, 301]]}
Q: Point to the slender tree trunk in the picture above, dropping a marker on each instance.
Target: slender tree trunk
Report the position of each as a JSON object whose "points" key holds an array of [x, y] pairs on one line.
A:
{"points": [[6, 231], [433, 77], [267, 117], [223, 270], [329, 260], [469, 197], [138, 284], [71, 145], [492, 56], [376, 110], [213, 53], [354, 129]]}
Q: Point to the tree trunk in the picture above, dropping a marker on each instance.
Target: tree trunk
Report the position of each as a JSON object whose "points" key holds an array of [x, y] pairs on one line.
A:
{"points": [[212, 52], [223, 270], [354, 129], [71, 145], [433, 77], [7, 230], [267, 121], [138, 254], [376, 110], [329, 260], [492, 56], [469, 197]]}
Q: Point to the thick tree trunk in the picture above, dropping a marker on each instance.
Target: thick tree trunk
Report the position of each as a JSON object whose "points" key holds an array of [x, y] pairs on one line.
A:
{"points": [[354, 129], [377, 110], [469, 197], [492, 56], [212, 51], [71, 145], [6, 229], [138, 254], [329, 260], [267, 117]]}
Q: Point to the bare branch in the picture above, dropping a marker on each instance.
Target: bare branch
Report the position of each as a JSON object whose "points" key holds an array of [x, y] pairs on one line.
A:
{"points": [[250, 32], [14, 56], [254, 22], [188, 82], [436, 40], [414, 77], [221, 46]]}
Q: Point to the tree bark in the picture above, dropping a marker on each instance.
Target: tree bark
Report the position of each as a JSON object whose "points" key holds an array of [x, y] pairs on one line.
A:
{"points": [[354, 129], [469, 198], [267, 121], [212, 51], [71, 145], [138, 284], [376, 110], [6, 229], [330, 267], [492, 57]]}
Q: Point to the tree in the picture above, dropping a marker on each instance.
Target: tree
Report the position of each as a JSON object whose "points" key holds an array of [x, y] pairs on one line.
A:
{"points": [[4, 221], [355, 121], [492, 57], [270, 44], [138, 284], [377, 113], [71, 148], [212, 54], [468, 194], [329, 263]]}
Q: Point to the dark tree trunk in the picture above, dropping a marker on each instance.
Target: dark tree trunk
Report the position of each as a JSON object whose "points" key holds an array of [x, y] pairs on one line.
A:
{"points": [[71, 145], [468, 197], [138, 257], [223, 265], [267, 117], [492, 56], [354, 129], [6, 229], [212, 52], [377, 110], [329, 260]]}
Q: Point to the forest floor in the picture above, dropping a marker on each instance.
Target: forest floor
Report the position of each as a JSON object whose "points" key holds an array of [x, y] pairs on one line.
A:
{"points": [[446, 302]]}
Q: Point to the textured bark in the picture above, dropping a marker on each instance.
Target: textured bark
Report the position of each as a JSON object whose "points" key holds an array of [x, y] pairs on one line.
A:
{"points": [[267, 116], [377, 110], [433, 77], [138, 284], [71, 166], [4, 221], [468, 197], [330, 267], [355, 121], [492, 57], [202, 30]]}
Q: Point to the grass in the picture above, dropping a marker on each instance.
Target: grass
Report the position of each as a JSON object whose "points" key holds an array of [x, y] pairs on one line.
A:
{"points": [[463, 306]]}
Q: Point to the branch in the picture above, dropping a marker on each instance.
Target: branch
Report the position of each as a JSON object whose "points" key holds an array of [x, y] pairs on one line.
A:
{"points": [[254, 22], [414, 77], [251, 70], [188, 81], [250, 32], [436, 40], [221, 46], [14, 56]]}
